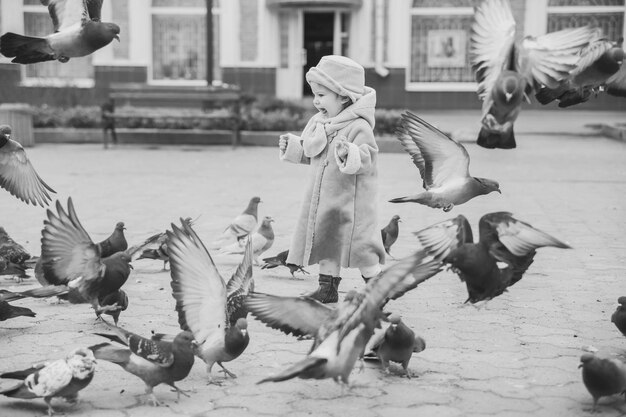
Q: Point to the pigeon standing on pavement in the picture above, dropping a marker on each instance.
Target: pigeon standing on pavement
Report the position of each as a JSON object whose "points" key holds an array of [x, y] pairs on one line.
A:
{"points": [[502, 238], [212, 310], [619, 315], [77, 32], [602, 376], [62, 378], [443, 165], [281, 260], [69, 257], [600, 60], [116, 299], [241, 226], [114, 243], [8, 311], [262, 239], [507, 71], [155, 362], [396, 344], [14, 259], [340, 334], [390, 233], [17, 174]]}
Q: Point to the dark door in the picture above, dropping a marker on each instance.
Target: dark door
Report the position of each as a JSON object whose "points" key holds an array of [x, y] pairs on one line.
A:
{"points": [[318, 41]]}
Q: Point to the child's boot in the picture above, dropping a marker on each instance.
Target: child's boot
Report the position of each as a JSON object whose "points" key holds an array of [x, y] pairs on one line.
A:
{"points": [[327, 290]]}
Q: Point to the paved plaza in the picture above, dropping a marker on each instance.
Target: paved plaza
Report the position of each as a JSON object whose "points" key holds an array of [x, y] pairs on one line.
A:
{"points": [[516, 356]]}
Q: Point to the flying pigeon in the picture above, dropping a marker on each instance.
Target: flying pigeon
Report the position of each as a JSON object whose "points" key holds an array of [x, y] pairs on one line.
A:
{"points": [[212, 310], [341, 333], [155, 362], [602, 376], [262, 239], [281, 260], [443, 165], [155, 247], [8, 311], [599, 60], [241, 226], [14, 259], [114, 243], [507, 71], [397, 343], [17, 174], [69, 257], [390, 233], [502, 238], [77, 32], [60, 378], [619, 316]]}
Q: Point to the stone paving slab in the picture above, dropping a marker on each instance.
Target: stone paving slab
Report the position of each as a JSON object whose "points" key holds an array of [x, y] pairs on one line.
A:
{"points": [[516, 356]]}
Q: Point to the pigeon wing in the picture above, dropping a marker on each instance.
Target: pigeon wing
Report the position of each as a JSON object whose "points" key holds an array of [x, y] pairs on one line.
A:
{"points": [[519, 238], [299, 316], [197, 286], [242, 225], [443, 237], [444, 159], [94, 8], [155, 240], [65, 13], [239, 286], [18, 176], [413, 150], [592, 52], [50, 379]]}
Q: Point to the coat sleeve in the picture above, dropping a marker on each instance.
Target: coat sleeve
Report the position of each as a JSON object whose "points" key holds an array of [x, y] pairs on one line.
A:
{"points": [[362, 149], [294, 152]]}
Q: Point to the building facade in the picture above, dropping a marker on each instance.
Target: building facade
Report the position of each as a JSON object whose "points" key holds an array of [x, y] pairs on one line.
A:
{"points": [[415, 51]]}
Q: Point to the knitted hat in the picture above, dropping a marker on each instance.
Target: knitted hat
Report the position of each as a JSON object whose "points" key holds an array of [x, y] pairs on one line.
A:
{"points": [[339, 74]]}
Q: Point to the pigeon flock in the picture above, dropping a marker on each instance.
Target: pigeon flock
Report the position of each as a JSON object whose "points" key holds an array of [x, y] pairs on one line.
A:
{"points": [[568, 66]]}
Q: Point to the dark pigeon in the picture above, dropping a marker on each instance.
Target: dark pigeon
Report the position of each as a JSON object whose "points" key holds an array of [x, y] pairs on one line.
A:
{"points": [[602, 377], [117, 299], [502, 238], [14, 259], [508, 71], [281, 260], [8, 311], [619, 315], [211, 309], [114, 243], [443, 165], [77, 32], [389, 233], [17, 174], [155, 362]]}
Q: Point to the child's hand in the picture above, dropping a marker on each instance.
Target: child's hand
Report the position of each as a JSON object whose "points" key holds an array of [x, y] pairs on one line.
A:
{"points": [[342, 148], [282, 142]]}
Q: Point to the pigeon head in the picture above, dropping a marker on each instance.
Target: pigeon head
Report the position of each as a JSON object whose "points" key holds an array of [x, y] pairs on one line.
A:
{"points": [[255, 200], [120, 226], [267, 220], [82, 363], [585, 359], [396, 218], [394, 319], [100, 34], [488, 185], [242, 325], [622, 301], [113, 30], [185, 339], [5, 134]]}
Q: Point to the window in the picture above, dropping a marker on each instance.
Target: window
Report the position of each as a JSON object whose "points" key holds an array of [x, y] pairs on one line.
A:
{"points": [[179, 41], [606, 14], [77, 71]]}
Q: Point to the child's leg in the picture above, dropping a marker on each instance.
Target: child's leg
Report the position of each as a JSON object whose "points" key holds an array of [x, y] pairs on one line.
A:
{"points": [[369, 272], [329, 267], [328, 282]]}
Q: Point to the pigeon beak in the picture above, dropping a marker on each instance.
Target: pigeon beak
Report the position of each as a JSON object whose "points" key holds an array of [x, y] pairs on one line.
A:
{"points": [[130, 266], [194, 343], [117, 37], [580, 366], [498, 190]]}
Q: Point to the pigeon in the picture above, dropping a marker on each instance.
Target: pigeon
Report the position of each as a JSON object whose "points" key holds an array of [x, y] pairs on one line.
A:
{"points": [[602, 376], [17, 174], [341, 333], [443, 165], [155, 247], [281, 260], [78, 32], [69, 257], [507, 71], [616, 85], [502, 238], [8, 311], [262, 239], [155, 362], [62, 378], [619, 316], [241, 226], [114, 243], [599, 60], [390, 233], [14, 259], [212, 310], [396, 343], [117, 299]]}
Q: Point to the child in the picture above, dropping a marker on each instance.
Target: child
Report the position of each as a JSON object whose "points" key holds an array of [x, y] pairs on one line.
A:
{"points": [[337, 227]]}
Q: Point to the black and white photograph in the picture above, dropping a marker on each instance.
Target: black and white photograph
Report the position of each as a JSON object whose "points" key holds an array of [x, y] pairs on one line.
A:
{"points": [[368, 208]]}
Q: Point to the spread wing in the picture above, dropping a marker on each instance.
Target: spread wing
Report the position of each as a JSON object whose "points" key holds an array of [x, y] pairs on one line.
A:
{"points": [[68, 255], [491, 44], [508, 238], [94, 8], [239, 286], [197, 286], [443, 158], [445, 236], [65, 13], [592, 52], [299, 316], [18, 176]]}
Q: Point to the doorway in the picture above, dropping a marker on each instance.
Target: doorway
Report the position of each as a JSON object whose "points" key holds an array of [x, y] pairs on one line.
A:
{"points": [[319, 29]]}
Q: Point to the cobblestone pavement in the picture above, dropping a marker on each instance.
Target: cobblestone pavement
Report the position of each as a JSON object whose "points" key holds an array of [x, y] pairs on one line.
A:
{"points": [[516, 356]]}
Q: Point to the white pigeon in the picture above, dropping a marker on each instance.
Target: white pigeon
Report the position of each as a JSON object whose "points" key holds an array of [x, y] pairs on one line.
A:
{"points": [[262, 240], [240, 227]]}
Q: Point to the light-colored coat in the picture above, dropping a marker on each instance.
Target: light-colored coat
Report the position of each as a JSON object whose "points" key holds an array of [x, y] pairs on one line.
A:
{"points": [[339, 214]]}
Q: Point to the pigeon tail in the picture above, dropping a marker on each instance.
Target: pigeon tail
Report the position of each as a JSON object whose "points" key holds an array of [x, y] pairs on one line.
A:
{"points": [[296, 370], [490, 140], [423, 198], [25, 49], [571, 98], [107, 352]]}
